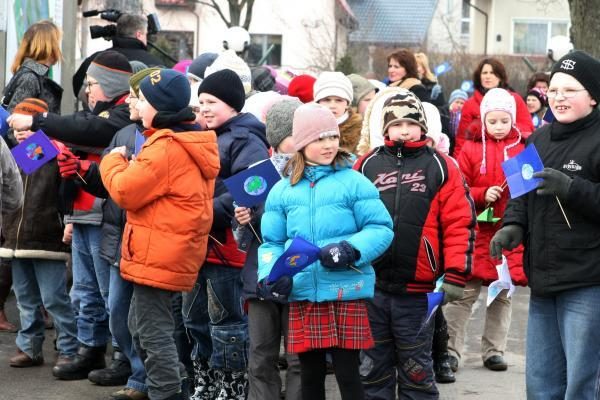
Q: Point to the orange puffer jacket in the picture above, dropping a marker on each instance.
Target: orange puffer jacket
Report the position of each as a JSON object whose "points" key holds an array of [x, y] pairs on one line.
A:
{"points": [[168, 194]]}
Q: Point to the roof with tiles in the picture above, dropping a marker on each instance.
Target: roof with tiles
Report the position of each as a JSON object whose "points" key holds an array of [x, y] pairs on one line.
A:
{"points": [[399, 22]]}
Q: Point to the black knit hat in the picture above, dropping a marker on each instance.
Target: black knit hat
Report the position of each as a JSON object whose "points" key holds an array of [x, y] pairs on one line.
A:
{"points": [[583, 67], [113, 60], [226, 86]]}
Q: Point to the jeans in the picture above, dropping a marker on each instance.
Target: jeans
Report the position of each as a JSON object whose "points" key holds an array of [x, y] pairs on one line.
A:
{"points": [[402, 349], [89, 294], [214, 318], [151, 324], [497, 321], [119, 300], [40, 282], [563, 350], [267, 320]]}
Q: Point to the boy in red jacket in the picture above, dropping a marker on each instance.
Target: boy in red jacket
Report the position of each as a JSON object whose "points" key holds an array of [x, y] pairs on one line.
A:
{"points": [[434, 222]]}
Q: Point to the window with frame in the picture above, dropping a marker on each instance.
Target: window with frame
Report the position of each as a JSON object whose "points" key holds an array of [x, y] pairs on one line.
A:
{"points": [[262, 46], [465, 20], [532, 37]]}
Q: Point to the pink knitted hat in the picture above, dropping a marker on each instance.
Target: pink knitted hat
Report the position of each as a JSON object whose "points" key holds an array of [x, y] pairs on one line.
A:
{"points": [[312, 122], [497, 99]]}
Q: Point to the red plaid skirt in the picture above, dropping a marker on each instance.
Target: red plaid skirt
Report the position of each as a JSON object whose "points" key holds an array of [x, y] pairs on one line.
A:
{"points": [[343, 324]]}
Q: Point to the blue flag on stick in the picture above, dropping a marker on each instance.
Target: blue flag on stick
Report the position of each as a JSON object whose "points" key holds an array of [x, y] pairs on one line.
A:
{"points": [[442, 68], [33, 152], [298, 256], [251, 186], [3, 124], [140, 139], [519, 171]]}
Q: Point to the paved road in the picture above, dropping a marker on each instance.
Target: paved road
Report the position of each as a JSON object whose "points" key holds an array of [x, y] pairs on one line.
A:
{"points": [[473, 380]]}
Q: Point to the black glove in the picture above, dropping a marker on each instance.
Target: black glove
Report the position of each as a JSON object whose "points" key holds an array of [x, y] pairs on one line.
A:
{"points": [[507, 238], [277, 291], [553, 183], [338, 255]]}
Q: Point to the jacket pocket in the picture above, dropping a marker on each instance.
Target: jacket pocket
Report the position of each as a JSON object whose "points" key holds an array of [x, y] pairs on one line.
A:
{"points": [[126, 252], [430, 255]]}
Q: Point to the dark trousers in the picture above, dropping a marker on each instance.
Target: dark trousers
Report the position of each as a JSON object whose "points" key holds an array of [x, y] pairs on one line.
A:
{"points": [[402, 354], [440, 335], [5, 281], [313, 370], [152, 324]]}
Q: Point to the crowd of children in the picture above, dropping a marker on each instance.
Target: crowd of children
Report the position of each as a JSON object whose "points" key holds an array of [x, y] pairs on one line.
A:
{"points": [[386, 182]]}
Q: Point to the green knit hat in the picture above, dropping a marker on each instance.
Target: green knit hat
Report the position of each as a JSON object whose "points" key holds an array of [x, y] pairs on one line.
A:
{"points": [[134, 81]]}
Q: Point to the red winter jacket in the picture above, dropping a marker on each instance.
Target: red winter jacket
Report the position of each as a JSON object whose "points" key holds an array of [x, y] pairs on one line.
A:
{"points": [[469, 161], [434, 219], [470, 120]]}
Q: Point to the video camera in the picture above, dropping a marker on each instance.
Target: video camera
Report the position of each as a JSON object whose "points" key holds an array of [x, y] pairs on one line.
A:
{"points": [[109, 31]]}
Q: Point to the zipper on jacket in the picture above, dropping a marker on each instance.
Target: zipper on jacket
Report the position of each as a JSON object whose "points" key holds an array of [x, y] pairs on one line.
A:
{"points": [[312, 235], [22, 212], [399, 166]]}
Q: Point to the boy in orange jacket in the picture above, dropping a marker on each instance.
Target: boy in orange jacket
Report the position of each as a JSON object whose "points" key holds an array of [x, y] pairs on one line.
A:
{"points": [[167, 191]]}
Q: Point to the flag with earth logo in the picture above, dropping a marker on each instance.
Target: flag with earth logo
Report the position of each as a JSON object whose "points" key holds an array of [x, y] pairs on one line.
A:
{"points": [[34, 152], [251, 186], [519, 171]]}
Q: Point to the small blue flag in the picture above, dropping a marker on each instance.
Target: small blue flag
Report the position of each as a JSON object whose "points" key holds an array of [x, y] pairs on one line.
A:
{"points": [[251, 186], [548, 115], [519, 171], [33, 152], [434, 300], [298, 256], [442, 68], [140, 139], [467, 86], [3, 124]]}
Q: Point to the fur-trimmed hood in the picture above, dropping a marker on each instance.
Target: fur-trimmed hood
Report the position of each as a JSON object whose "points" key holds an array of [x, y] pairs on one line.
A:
{"points": [[350, 132]]}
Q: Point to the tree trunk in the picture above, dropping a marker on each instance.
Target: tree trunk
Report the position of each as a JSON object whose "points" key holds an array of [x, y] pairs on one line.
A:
{"points": [[235, 12], [585, 15]]}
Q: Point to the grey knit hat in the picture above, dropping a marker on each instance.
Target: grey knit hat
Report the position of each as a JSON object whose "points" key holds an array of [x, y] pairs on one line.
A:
{"points": [[360, 87], [279, 120]]}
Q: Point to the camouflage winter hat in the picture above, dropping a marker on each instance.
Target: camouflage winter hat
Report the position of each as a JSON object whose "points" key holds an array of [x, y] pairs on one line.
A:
{"points": [[404, 106]]}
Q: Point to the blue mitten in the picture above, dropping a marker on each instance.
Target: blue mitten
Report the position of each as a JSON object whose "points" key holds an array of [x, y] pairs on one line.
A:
{"points": [[277, 291], [338, 255]]}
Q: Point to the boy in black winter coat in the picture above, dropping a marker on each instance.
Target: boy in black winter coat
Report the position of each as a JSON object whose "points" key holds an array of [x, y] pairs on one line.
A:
{"points": [[434, 221], [559, 225]]}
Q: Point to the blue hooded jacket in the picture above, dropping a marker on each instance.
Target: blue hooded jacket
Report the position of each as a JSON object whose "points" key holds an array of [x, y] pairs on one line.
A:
{"points": [[328, 205]]}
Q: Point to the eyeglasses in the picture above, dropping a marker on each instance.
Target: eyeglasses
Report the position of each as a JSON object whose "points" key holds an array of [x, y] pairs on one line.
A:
{"points": [[566, 93], [89, 84]]}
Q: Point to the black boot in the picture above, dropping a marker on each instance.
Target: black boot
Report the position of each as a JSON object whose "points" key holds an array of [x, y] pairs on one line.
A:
{"points": [[117, 373], [442, 369], [86, 360]]}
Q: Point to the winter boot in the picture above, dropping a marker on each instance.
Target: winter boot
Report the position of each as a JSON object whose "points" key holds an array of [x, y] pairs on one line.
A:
{"points": [[442, 369], [117, 373], [86, 360], [234, 385]]}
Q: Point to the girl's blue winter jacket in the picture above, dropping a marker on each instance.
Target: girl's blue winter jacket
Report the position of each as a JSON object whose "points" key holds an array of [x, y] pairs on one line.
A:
{"points": [[327, 206]]}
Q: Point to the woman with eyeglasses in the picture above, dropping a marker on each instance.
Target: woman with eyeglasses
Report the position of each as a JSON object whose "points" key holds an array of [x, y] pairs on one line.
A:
{"points": [[489, 74]]}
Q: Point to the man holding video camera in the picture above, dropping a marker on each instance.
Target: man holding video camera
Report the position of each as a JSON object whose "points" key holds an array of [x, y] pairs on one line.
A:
{"points": [[130, 38]]}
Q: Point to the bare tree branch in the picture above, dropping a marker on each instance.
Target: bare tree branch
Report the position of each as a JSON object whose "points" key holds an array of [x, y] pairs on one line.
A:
{"points": [[249, 6], [214, 5]]}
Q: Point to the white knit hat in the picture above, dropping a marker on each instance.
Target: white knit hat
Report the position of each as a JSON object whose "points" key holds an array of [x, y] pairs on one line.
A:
{"points": [[497, 99], [229, 60], [333, 84]]}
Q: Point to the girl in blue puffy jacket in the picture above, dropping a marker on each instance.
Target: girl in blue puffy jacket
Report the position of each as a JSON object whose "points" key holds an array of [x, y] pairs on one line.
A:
{"points": [[325, 202]]}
